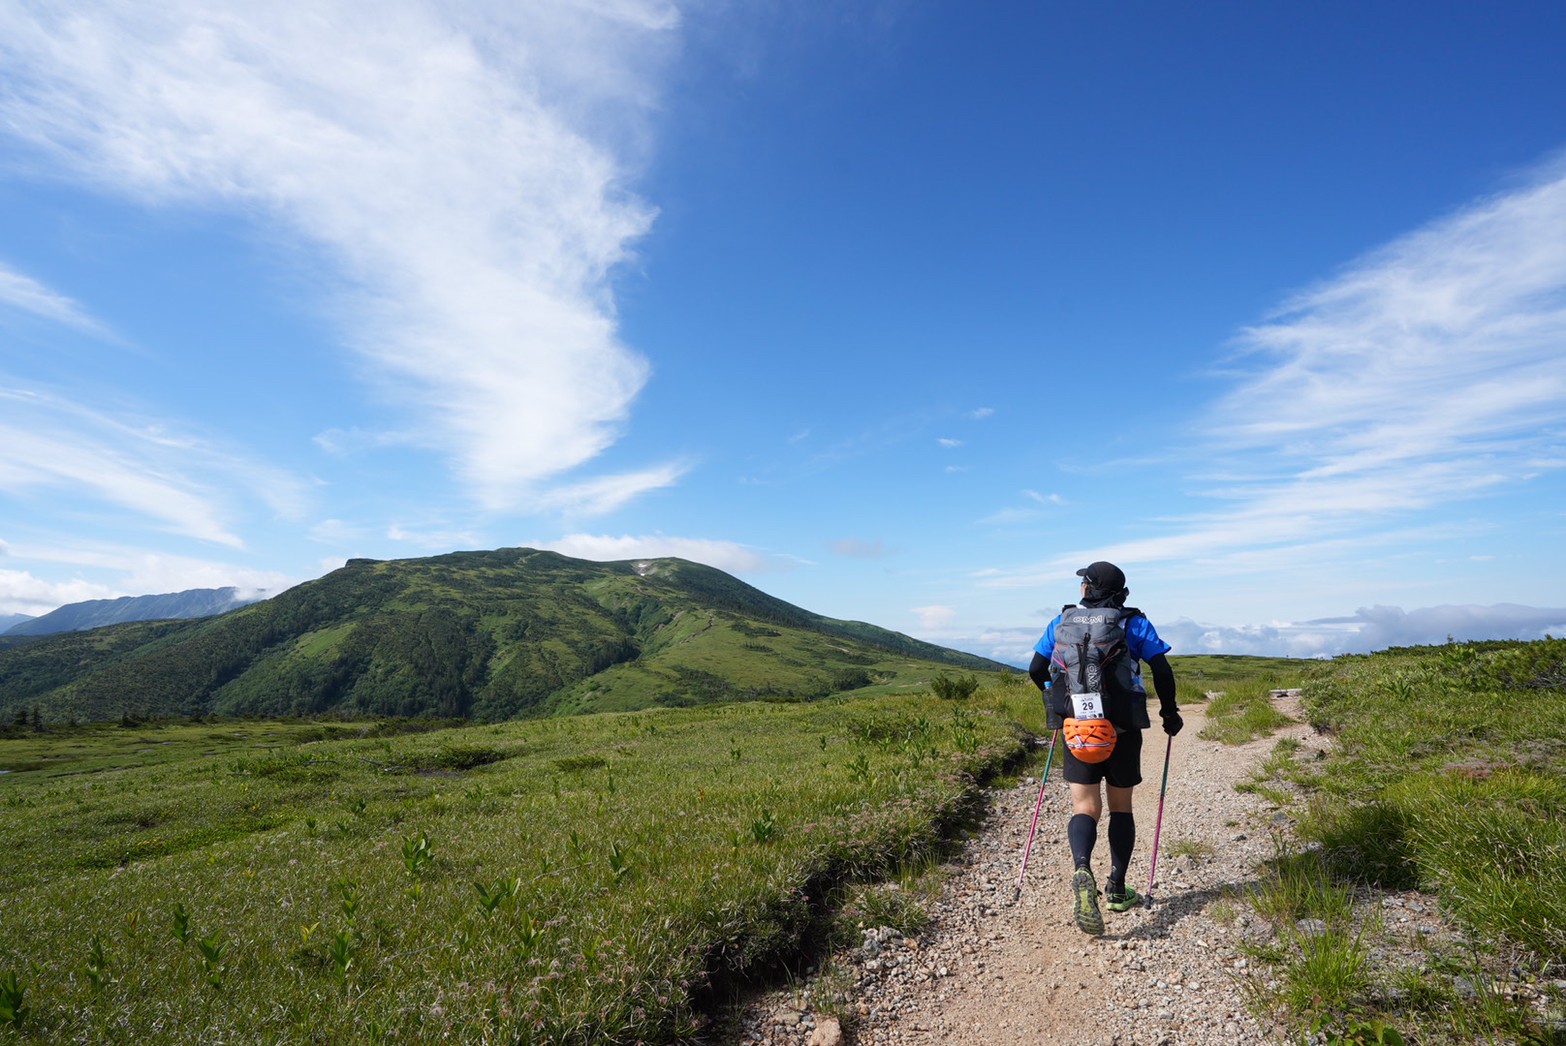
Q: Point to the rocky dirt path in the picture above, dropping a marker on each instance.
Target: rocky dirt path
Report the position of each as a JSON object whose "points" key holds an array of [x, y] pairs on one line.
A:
{"points": [[994, 969]]}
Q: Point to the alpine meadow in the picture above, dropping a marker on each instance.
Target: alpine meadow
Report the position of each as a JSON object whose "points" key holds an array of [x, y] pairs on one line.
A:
{"points": [[512, 797]]}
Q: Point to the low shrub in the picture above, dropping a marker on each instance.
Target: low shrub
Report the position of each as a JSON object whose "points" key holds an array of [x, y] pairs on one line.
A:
{"points": [[954, 688]]}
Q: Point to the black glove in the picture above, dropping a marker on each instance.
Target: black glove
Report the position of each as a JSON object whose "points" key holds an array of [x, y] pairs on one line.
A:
{"points": [[1172, 720]]}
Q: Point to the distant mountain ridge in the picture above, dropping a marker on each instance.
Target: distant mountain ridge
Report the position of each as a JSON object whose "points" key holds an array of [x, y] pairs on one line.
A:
{"points": [[95, 613], [479, 635], [8, 621]]}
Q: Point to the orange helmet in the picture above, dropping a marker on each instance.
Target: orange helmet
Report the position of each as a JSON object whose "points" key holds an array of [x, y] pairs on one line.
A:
{"points": [[1090, 740]]}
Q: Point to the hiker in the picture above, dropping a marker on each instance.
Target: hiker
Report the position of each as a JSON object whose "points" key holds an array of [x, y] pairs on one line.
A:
{"points": [[1079, 642]]}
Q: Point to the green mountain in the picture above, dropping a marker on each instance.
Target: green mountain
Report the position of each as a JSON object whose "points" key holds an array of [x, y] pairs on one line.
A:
{"points": [[480, 635], [95, 613]]}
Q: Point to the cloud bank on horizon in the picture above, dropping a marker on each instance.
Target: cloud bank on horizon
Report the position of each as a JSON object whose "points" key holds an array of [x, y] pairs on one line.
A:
{"points": [[460, 195], [1366, 630]]}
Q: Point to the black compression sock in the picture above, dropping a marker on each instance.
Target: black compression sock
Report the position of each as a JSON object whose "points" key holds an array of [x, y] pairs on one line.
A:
{"points": [[1082, 833], [1122, 840]]}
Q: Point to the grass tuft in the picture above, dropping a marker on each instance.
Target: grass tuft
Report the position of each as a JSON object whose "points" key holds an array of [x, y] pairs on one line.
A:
{"points": [[1244, 712]]}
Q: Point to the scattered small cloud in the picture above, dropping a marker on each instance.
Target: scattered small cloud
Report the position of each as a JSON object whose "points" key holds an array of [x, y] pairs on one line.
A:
{"points": [[1009, 646], [1019, 515], [948, 443], [338, 532], [433, 540], [346, 442], [729, 556], [854, 548], [800, 436], [981, 413], [1011, 517], [934, 618]]}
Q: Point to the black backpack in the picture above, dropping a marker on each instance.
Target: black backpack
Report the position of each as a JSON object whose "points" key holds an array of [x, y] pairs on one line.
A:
{"points": [[1091, 657]]}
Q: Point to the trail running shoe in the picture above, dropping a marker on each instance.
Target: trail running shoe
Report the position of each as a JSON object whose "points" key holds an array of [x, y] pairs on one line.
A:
{"points": [[1121, 900], [1085, 905]]}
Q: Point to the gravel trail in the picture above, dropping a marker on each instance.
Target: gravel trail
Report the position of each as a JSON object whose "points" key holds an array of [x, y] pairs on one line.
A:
{"points": [[996, 968]]}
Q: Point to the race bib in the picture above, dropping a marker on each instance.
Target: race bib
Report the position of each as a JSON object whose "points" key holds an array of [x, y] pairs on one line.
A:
{"points": [[1087, 706]]}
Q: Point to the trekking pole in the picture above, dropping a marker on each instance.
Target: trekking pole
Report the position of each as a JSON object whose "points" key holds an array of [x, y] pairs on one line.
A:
{"points": [[1159, 824], [1048, 759]]}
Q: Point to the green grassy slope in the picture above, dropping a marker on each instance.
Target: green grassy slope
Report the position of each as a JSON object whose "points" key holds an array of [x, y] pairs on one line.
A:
{"points": [[1199, 673], [1447, 776], [568, 880], [483, 635]]}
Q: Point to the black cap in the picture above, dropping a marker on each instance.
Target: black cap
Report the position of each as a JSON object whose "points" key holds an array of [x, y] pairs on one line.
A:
{"points": [[1104, 576]]}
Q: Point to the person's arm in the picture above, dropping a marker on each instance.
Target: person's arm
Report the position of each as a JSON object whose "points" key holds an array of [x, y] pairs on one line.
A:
{"points": [[1038, 670], [1164, 686]]}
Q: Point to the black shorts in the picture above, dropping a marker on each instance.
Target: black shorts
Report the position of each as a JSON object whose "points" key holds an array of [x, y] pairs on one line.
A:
{"points": [[1123, 768]]}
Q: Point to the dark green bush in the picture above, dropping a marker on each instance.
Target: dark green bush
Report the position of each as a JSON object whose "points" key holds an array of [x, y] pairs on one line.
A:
{"points": [[954, 688]]}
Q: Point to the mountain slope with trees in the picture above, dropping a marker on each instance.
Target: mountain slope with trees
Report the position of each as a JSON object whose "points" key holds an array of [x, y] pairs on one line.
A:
{"points": [[476, 635]]}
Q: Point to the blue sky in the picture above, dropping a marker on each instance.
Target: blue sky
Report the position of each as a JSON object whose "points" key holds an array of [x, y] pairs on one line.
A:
{"points": [[899, 311]]}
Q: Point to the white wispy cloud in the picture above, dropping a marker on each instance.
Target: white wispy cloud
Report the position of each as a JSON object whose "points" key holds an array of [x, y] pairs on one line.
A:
{"points": [[1010, 517], [725, 555], [433, 538], [856, 548], [463, 166], [178, 482], [1016, 515], [19, 291], [1445, 338], [339, 532], [603, 494], [1429, 372], [948, 443]]}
